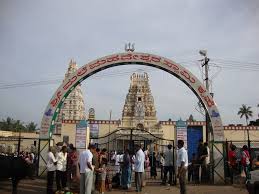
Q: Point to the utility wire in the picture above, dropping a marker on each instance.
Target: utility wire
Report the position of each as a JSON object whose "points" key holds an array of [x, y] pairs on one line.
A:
{"points": [[218, 63], [56, 81], [239, 68], [237, 65], [235, 62], [230, 64]]}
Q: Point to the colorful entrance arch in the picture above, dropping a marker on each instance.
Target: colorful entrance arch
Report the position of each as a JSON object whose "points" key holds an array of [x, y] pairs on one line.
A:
{"points": [[52, 110]]}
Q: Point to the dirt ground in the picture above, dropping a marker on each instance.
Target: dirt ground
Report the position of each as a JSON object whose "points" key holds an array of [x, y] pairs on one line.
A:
{"points": [[39, 186]]}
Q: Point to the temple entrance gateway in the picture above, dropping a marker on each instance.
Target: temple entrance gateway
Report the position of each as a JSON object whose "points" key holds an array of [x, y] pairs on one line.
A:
{"points": [[128, 138], [128, 58]]}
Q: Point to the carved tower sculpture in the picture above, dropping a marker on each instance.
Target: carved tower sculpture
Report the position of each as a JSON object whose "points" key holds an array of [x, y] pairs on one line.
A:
{"points": [[139, 108], [73, 107]]}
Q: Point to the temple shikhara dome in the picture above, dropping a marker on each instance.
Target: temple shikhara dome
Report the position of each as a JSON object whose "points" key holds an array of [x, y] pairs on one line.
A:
{"points": [[73, 107], [139, 105]]}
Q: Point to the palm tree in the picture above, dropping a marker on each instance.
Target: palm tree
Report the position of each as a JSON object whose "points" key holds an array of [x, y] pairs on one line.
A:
{"points": [[247, 112]]}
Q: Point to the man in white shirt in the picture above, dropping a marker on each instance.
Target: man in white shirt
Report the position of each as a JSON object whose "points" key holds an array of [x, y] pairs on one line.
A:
{"points": [[168, 165], [182, 165], [32, 157], [139, 168], [117, 163], [86, 170], [61, 172], [162, 164], [51, 167]]}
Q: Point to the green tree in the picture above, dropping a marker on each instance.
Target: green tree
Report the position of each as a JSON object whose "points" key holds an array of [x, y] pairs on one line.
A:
{"points": [[246, 112], [7, 124], [10, 124], [31, 127], [18, 126]]}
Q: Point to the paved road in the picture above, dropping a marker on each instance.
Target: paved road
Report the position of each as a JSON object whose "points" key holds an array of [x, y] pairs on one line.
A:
{"points": [[38, 186], [27, 186]]}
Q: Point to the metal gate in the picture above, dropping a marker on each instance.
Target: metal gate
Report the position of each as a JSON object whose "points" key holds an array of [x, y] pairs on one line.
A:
{"points": [[123, 138], [220, 149], [218, 162]]}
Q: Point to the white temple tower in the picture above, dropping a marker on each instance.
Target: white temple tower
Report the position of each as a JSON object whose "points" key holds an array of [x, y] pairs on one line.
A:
{"points": [[73, 107]]}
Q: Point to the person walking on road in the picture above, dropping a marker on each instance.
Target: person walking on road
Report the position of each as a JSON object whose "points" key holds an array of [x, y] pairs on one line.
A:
{"points": [[86, 170], [51, 168], [245, 161], [139, 168], [153, 163], [182, 165], [61, 173], [126, 170], [168, 166]]}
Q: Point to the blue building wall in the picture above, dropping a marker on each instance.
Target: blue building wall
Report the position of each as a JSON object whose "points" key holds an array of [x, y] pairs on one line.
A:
{"points": [[194, 134]]}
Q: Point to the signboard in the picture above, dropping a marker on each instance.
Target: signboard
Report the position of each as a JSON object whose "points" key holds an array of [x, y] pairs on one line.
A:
{"points": [[44, 131], [81, 134], [181, 131], [94, 130]]}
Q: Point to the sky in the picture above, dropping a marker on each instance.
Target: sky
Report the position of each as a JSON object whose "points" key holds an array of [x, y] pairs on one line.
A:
{"points": [[38, 39]]}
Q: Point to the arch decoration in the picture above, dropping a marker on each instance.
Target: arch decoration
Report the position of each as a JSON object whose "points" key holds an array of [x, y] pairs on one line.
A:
{"points": [[128, 58]]}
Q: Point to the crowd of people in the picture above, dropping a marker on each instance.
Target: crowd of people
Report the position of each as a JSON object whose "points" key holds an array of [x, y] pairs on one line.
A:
{"points": [[95, 170], [148, 161], [29, 157], [199, 165], [240, 162], [91, 170]]}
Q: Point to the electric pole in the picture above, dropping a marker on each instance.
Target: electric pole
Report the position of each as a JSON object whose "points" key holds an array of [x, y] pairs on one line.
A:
{"points": [[205, 64]]}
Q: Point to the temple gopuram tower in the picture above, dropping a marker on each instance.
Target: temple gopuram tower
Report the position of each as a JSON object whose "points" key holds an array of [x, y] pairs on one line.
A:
{"points": [[139, 105], [73, 108]]}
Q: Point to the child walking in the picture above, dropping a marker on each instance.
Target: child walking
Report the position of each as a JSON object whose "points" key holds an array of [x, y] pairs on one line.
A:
{"points": [[102, 172]]}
